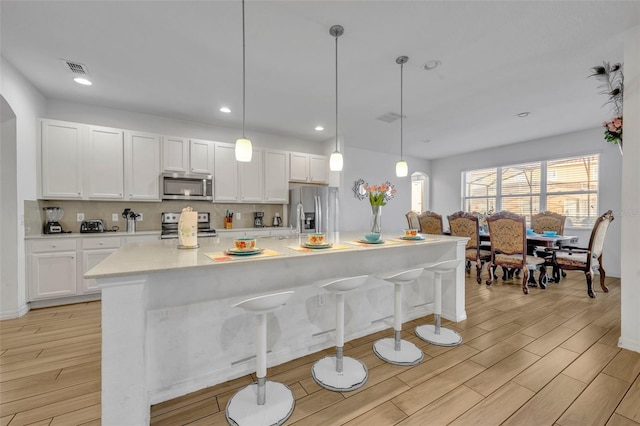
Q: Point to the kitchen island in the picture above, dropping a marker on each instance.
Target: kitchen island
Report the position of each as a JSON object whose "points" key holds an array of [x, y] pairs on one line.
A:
{"points": [[168, 328]]}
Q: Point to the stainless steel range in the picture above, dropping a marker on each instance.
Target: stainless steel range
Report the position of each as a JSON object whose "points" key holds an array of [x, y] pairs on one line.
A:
{"points": [[170, 225]]}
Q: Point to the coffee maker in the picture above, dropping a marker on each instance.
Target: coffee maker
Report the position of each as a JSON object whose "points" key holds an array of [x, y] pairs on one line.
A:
{"points": [[258, 219], [53, 215]]}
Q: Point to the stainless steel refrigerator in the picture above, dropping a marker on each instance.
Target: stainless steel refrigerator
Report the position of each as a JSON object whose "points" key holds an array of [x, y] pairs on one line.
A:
{"points": [[309, 208]]}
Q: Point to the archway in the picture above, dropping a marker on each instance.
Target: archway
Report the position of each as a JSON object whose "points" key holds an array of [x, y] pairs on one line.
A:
{"points": [[419, 191]]}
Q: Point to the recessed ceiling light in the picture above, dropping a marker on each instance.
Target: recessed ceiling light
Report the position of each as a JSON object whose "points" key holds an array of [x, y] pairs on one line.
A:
{"points": [[82, 81], [523, 114], [319, 128], [433, 63], [225, 110]]}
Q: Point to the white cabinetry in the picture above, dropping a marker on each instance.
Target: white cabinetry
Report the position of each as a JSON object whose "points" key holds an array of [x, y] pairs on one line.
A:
{"points": [[251, 178], [175, 154], [142, 166], [201, 156], [225, 181], [53, 269], [276, 182], [308, 168], [94, 251], [104, 163], [187, 155], [61, 158]]}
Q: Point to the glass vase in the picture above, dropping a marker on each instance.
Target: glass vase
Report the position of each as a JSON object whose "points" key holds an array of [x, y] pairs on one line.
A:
{"points": [[376, 219]]}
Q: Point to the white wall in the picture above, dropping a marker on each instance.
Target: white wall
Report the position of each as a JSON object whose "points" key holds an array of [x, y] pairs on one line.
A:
{"points": [[375, 168], [630, 217], [100, 116], [446, 181], [27, 104]]}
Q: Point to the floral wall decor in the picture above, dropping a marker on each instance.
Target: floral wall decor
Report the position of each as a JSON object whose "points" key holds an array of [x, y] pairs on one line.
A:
{"points": [[612, 85]]}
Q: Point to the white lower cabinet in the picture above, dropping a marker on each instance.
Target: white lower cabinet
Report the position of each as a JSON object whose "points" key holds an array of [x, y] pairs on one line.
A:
{"points": [[94, 251], [53, 269]]}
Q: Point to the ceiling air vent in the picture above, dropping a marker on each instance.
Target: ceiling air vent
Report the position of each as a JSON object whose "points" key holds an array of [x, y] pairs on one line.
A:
{"points": [[389, 117], [75, 67]]}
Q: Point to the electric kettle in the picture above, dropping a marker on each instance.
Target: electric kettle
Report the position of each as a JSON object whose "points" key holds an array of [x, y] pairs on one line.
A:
{"points": [[277, 220]]}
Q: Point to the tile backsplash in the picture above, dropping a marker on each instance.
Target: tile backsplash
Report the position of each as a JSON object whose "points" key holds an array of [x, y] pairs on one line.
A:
{"points": [[35, 219]]}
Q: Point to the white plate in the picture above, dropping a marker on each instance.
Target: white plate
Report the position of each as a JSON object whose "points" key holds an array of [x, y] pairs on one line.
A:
{"points": [[417, 237], [237, 252], [317, 246]]}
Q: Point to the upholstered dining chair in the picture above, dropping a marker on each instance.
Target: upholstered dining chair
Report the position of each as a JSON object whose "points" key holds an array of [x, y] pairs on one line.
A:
{"points": [[508, 237], [463, 224], [412, 220], [586, 259], [430, 223], [549, 221]]}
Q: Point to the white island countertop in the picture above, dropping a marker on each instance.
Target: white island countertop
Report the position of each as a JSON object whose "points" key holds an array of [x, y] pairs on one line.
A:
{"points": [[164, 255]]}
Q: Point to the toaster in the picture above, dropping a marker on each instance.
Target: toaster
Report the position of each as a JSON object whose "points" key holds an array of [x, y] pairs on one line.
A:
{"points": [[92, 225]]}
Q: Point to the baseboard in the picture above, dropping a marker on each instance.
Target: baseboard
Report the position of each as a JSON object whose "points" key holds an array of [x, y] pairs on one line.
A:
{"points": [[630, 344], [16, 313], [65, 301]]}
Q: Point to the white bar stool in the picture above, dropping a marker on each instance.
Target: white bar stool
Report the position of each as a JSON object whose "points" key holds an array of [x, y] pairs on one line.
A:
{"points": [[339, 373], [435, 334], [397, 351], [250, 406]]}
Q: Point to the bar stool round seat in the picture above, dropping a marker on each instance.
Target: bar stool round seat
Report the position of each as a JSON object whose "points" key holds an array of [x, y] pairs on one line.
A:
{"points": [[395, 350], [339, 373], [264, 402], [434, 333]]}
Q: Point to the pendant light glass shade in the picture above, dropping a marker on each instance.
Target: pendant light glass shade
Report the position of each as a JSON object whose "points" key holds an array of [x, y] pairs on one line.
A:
{"points": [[335, 161], [244, 149], [402, 169]]}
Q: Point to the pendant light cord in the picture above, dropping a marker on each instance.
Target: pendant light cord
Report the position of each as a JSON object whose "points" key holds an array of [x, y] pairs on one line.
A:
{"points": [[401, 103], [336, 93], [243, 72]]}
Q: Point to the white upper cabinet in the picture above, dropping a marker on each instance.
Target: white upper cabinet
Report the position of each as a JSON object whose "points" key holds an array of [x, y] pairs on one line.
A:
{"points": [[175, 154], [308, 168], [105, 163], [183, 155], [142, 166], [61, 159], [276, 176], [225, 180], [251, 180], [201, 156]]}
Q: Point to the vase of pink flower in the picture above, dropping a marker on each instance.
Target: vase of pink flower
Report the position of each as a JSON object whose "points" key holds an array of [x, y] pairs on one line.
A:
{"points": [[378, 196], [612, 85]]}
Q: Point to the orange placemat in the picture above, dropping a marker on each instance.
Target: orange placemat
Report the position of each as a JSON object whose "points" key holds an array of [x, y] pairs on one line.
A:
{"points": [[224, 257], [302, 249]]}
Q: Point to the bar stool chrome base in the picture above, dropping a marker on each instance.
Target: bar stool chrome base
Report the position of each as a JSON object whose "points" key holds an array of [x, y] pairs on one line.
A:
{"points": [[242, 408], [408, 354], [353, 376]]}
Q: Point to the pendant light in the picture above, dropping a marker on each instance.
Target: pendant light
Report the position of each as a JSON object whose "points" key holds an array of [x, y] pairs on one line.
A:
{"points": [[335, 161], [402, 169], [244, 149]]}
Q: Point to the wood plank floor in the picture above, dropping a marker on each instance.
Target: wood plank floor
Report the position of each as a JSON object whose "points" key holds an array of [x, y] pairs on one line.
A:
{"points": [[549, 358]]}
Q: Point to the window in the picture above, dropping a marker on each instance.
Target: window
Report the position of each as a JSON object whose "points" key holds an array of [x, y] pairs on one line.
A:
{"points": [[567, 186]]}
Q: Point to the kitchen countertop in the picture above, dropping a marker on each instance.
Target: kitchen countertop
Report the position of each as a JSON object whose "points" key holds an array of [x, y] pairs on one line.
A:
{"points": [[164, 255], [91, 234]]}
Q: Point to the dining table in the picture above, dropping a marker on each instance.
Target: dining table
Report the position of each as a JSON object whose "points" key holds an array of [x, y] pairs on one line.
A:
{"points": [[536, 245]]}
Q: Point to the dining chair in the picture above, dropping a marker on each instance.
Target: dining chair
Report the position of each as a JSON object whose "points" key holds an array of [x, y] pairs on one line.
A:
{"points": [[586, 259], [508, 238], [549, 221], [430, 223], [463, 224], [412, 220]]}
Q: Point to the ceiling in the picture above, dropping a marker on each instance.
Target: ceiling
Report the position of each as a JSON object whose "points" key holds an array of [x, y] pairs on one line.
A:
{"points": [[183, 59]]}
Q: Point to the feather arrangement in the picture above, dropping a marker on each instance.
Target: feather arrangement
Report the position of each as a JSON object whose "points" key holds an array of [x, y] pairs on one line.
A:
{"points": [[612, 80]]}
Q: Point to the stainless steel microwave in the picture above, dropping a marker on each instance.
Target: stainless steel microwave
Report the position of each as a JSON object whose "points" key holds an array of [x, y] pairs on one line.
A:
{"points": [[179, 186]]}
